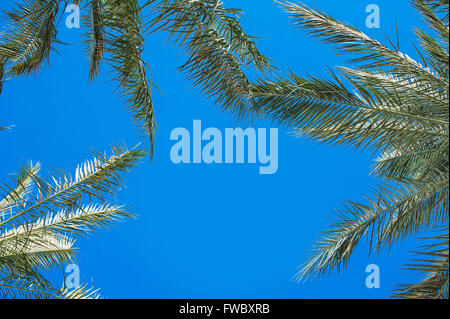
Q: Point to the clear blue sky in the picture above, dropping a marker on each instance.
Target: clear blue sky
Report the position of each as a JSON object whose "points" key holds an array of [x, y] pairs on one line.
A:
{"points": [[220, 231]]}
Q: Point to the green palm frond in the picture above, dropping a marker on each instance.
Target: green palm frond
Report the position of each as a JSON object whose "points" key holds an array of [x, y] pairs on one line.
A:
{"points": [[2, 74], [219, 51], [421, 163], [390, 214], [123, 43], [91, 180], [24, 181], [82, 292], [82, 221], [38, 251], [25, 287], [432, 262], [94, 36], [369, 52], [386, 102], [435, 14], [328, 111], [28, 42], [217, 47], [39, 219]]}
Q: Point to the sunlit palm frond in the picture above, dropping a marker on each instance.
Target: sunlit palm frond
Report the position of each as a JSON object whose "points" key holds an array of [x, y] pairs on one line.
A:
{"points": [[41, 216], [329, 112], [94, 36], [395, 106], [369, 52], [14, 287], [91, 180], [432, 262], [23, 182], [390, 214], [82, 292]]}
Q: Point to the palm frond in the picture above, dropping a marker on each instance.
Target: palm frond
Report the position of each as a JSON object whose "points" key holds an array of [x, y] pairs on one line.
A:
{"points": [[217, 47], [2, 74], [28, 42], [40, 252], [326, 110], [118, 31], [23, 183], [40, 217], [13, 287], [397, 107], [77, 222], [410, 208], [95, 36], [418, 163], [23, 287], [92, 179], [82, 292], [370, 52]]}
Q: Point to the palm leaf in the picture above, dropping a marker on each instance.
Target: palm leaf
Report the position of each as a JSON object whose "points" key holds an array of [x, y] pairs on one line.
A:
{"points": [[217, 47], [29, 40], [40, 217]]}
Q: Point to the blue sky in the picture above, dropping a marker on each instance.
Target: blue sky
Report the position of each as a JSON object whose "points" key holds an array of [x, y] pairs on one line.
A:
{"points": [[205, 231]]}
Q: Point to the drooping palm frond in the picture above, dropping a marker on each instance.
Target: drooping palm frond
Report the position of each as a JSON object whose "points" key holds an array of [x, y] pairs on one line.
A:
{"points": [[39, 219], [217, 47], [118, 31], [27, 43], [40, 252], [390, 214], [389, 103], [94, 36]]}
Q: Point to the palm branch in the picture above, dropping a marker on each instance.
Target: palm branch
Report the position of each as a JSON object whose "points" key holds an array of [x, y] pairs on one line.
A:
{"points": [[219, 51], [41, 218], [217, 48], [389, 103]]}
